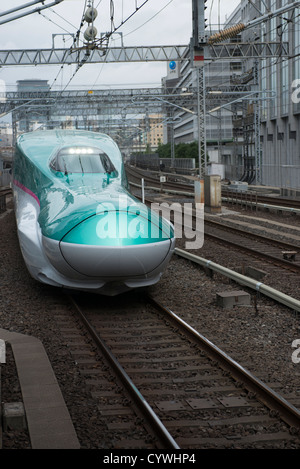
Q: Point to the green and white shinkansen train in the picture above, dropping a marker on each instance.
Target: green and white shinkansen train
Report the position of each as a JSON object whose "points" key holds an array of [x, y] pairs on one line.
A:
{"points": [[78, 225]]}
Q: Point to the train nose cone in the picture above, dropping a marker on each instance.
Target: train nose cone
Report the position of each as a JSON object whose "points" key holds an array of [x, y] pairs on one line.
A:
{"points": [[116, 244]]}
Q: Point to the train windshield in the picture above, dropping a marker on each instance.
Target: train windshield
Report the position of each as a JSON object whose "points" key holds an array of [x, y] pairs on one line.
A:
{"points": [[82, 159]]}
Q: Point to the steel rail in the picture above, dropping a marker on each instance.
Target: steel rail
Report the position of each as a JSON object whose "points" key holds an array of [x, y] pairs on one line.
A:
{"points": [[259, 237], [160, 430], [156, 183], [242, 197], [268, 257], [289, 413], [269, 206], [189, 191]]}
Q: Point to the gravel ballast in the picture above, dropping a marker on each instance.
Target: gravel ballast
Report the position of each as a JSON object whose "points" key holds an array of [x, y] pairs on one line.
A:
{"points": [[259, 336]]}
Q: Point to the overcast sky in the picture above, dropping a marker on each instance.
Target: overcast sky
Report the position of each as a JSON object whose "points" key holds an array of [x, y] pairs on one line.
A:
{"points": [[158, 22]]}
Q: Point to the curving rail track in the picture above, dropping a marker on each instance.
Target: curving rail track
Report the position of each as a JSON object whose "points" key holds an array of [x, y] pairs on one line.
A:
{"points": [[257, 245], [136, 174], [178, 390], [178, 183], [266, 250]]}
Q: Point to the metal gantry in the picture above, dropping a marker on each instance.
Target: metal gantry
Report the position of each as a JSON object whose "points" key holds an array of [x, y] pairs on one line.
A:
{"points": [[199, 52], [72, 103], [165, 53], [110, 107], [91, 55]]}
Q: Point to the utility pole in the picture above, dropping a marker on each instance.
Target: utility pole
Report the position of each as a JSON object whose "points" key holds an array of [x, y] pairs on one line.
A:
{"points": [[198, 46]]}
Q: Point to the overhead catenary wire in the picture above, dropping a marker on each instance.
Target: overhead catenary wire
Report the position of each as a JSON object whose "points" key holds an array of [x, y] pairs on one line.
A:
{"points": [[30, 12], [75, 39], [129, 33], [150, 19], [104, 40], [56, 24], [64, 19]]}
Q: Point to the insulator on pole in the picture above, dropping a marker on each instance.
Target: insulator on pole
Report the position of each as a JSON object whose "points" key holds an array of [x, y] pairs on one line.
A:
{"points": [[90, 14], [90, 33], [227, 33]]}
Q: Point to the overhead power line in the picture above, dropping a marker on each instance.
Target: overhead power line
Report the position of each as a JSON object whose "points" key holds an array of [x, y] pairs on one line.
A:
{"points": [[92, 42], [26, 13]]}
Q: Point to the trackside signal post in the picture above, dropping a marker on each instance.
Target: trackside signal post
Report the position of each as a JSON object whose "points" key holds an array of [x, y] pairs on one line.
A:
{"points": [[198, 43]]}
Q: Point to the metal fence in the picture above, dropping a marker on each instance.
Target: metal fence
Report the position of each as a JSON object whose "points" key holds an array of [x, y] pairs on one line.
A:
{"points": [[154, 163]]}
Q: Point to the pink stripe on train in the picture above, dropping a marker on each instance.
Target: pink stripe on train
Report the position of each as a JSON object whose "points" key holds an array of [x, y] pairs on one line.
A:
{"points": [[25, 189]]}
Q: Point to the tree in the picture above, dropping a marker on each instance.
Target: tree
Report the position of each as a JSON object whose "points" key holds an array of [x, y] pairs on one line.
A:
{"points": [[182, 150], [164, 150]]}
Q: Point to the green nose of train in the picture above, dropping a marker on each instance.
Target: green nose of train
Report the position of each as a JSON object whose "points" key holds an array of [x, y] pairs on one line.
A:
{"points": [[116, 227], [113, 244]]}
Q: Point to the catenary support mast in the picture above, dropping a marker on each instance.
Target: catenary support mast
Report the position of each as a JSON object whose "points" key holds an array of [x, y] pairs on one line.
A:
{"points": [[198, 47]]}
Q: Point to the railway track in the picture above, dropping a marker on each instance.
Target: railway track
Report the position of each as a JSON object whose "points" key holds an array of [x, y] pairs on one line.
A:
{"points": [[122, 424], [175, 182], [239, 197], [135, 175], [264, 250], [257, 245], [163, 385]]}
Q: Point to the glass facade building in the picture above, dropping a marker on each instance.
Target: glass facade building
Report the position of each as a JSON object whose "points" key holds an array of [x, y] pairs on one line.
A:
{"points": [[230, 133], [280, 114]]}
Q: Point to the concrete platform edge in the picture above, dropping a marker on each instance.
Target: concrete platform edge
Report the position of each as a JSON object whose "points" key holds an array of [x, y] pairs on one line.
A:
{"points": [[49, 423]]}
